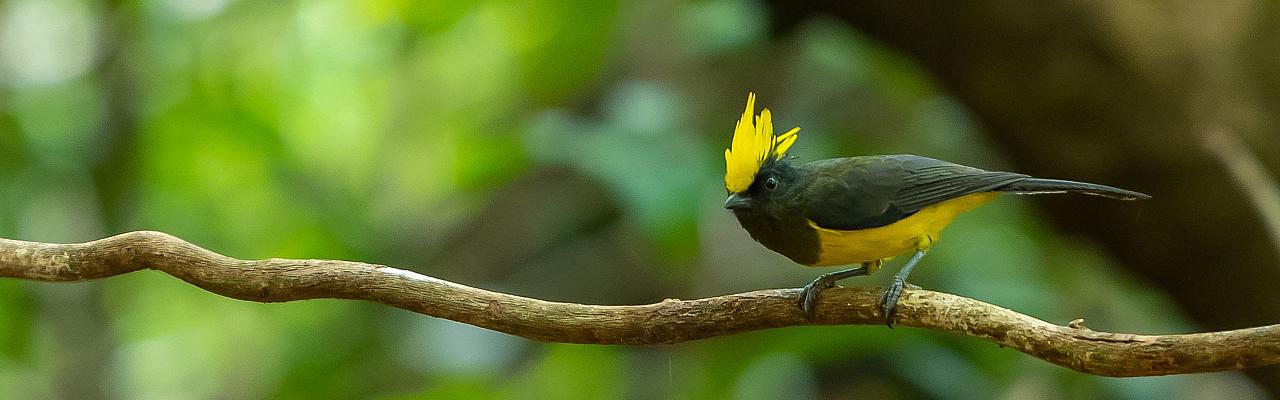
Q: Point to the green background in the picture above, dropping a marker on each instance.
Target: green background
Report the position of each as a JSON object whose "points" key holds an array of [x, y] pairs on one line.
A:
{"points": [[569, 151]]}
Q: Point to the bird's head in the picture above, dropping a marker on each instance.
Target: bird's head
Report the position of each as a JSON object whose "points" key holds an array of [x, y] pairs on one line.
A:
{"points": [[755, 164]]}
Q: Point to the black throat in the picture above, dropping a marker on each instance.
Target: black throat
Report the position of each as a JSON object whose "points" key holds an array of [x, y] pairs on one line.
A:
{"points": [[777, 217]]}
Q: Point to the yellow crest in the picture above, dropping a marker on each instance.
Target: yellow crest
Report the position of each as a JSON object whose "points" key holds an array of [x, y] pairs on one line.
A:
{"points": [[753, 145]]}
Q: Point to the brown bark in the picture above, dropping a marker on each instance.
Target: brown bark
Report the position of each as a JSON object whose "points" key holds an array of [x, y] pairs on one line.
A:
{"points": [[669, 321]]}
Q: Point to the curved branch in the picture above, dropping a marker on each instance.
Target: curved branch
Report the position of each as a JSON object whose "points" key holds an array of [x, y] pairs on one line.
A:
{"points": [[669, 321]]}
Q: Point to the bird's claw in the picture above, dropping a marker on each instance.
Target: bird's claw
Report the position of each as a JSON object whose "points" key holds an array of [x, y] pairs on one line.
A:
{"points": [[809, 295], [890, 298]]}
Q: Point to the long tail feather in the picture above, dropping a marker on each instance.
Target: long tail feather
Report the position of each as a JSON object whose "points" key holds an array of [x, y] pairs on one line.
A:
{"points": [[1037, 185]]}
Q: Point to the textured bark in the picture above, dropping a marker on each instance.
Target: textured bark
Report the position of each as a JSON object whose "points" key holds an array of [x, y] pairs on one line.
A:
{"points": [[669, 321]]}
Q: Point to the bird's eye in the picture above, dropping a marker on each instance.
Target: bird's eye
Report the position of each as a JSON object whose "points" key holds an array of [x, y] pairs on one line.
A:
{"points": [[771, 183]]}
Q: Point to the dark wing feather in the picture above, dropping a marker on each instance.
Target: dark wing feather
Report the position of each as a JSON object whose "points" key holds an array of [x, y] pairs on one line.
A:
{"points": [[868, 192]]}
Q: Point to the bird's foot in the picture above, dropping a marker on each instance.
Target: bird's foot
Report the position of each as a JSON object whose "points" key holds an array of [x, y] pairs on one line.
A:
{"points": [[890, 299], [809, 295]]}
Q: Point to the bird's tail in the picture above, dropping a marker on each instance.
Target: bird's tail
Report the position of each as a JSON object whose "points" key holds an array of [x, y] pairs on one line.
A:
{"points": [[1037, 186]]}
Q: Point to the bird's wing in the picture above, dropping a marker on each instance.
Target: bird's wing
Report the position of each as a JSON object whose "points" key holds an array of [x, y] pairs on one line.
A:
{"points": [[868, 192]]}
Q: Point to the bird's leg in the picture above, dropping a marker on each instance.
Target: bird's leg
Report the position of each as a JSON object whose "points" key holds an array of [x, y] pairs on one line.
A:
{"points": [[809, 296], [891, 294]]}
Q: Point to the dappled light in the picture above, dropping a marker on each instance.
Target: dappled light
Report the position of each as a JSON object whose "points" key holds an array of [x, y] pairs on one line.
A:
{"points": [[574, 152]]}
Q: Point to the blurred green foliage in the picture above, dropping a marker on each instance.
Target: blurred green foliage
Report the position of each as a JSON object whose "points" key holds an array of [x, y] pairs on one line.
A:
{"points": [[419, 133]]}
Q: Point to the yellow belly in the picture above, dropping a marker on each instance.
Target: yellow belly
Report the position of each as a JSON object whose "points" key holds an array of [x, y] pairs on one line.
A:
{"points": [[915, 232]]}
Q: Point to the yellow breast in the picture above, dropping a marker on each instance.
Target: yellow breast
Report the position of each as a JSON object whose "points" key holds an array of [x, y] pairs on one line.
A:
{"points": [[915, 232]]}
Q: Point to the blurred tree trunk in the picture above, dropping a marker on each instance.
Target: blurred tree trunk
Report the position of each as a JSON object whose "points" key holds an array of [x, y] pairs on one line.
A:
{"points": [[115, 168], [79, 314], [1120, 93]]}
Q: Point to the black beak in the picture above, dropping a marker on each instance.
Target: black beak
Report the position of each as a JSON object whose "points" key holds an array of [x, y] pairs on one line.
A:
{"points": [[737, 201]]}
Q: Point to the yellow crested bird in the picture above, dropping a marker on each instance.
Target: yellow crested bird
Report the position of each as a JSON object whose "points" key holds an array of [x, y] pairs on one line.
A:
{"points": [[858, 210]]}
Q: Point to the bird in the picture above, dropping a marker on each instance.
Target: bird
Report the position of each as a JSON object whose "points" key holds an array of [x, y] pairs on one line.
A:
{"points": [[859, 211]]}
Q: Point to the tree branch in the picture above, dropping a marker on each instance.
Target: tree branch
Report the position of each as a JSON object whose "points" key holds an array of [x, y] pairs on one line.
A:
{"points": [[670, 321]]}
